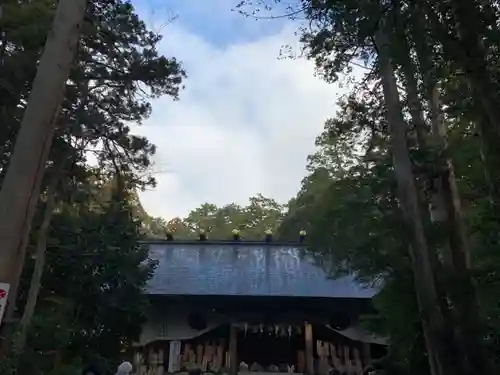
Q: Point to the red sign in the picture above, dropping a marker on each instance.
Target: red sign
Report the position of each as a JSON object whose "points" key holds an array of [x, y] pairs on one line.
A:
{"points": [[4, 294]]}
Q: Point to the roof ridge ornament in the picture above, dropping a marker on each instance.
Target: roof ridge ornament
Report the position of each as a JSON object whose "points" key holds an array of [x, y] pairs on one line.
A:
{"points": [[269, 235], [302, 235], [169, 234], [236, 234], [203, 234]]}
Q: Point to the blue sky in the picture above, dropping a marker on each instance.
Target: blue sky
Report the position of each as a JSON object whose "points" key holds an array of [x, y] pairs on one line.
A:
{"points": [[245, 122], [218, 21], [223, 28]]}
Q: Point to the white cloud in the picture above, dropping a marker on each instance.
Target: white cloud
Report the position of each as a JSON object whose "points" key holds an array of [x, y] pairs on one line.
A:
{"points": [[244, 124]]}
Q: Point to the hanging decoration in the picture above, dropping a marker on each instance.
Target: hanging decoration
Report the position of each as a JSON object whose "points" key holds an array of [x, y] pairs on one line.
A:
{"points": [[277, 330]]}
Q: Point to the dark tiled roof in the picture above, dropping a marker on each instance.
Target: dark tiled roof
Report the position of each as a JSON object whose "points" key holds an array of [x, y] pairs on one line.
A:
{"points": [[243, 268]]}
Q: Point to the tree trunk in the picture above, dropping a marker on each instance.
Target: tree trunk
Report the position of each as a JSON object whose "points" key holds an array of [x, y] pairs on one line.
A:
{"points": [[425, 288], [468, 23], [21, 186], [461, 289], [434, 202], [456, 258], [36, 278], [489, 162], [411, 86], [468, 52]]}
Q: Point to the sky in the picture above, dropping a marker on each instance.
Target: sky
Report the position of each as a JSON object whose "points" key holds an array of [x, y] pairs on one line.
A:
{"points": [[245, 121]]}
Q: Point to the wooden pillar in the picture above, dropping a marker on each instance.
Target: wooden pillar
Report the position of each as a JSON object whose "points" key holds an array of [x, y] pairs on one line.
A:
{"points": [[233, 350], [174, 353], [308, 335]]}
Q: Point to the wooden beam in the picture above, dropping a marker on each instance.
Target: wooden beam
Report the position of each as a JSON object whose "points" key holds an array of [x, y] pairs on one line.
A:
{"points": [[233, 350], [308, 335]]}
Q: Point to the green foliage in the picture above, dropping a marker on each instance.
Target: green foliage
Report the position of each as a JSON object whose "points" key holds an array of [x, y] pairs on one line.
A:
{"points": [[253, 220], [353, 217], [91, 303], [354, 224], [9, 364], [96, 268], [109, 87]]}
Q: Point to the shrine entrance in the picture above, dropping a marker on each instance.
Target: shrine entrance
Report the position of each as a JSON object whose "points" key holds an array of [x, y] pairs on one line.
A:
{"points": [[274, 349]]}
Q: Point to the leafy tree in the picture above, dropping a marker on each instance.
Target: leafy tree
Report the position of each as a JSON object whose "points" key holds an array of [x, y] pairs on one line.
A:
{"points": [[116, 72], [253, 220], [417, 67], [96, 270], [354, 224]]}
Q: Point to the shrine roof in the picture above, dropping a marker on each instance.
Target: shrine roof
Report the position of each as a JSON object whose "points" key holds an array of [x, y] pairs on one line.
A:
{"points": [[244, 268]]}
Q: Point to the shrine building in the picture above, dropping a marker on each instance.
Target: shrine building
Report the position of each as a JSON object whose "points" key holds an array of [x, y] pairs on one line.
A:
{"points": [[239, 306]]}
